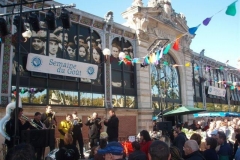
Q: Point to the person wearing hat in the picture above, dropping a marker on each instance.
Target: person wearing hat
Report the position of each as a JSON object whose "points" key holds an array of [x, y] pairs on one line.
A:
{"points": [[77, 132], [54, 50], [59, 33], [113, 151], [38, 42]]}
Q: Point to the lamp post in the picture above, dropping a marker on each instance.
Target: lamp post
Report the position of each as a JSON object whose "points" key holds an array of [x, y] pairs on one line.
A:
{"points": [[202, 82]]}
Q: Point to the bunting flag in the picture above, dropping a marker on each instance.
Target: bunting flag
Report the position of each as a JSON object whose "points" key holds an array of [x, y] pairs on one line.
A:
{"points": [[154, 58], [188, 64], [176, 45], [206, 21], [161, 54], [165, 63], [167, 48], [231, 10], [193, 30], [221, 68], [196, 68], [157, 57], [146, 61]]}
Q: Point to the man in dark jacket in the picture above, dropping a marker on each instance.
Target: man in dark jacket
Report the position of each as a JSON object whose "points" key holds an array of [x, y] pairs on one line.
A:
{"points": [[94, 124], [225, 151], [191, 150], [181, 138], [77, 133], [112, 126]]}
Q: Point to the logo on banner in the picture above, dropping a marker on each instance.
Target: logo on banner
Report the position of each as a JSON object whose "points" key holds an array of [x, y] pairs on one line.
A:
{"points": [[36, 62], [90, 70]]}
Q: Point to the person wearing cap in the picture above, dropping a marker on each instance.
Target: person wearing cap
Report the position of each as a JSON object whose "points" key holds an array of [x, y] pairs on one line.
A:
{"points": [[113, 151], [77, 132], [112, 126], [59, 33], [214, 134], [54, 50], [38, 42]]}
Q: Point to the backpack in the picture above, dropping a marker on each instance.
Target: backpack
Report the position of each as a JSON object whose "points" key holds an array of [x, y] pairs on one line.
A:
{"points": [[69, 154]]}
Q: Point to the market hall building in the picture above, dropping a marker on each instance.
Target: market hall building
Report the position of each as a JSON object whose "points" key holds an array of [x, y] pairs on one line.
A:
{"points": [[137, 92]]}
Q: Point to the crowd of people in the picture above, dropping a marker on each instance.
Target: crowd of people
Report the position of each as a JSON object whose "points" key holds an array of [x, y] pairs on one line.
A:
{"points": [[70, 130], [214, 139]]}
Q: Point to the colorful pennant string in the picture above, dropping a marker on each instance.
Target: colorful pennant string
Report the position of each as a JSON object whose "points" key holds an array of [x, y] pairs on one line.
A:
{"points": [[231, 10], [153, 58]]}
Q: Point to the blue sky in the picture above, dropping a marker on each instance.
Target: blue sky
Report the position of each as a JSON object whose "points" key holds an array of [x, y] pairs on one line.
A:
{"points": [[220, 39]]}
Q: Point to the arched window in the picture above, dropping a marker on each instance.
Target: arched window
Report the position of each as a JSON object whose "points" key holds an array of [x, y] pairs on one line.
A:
{"points": [[123, 75], [165, 84]]}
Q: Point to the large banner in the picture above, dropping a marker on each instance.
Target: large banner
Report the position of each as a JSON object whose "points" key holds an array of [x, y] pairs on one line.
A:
{"points": [[58, 66], [216, 91]]}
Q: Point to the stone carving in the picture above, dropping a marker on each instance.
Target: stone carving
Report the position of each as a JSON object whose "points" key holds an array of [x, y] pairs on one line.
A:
{"points": [[137, 3], [109, 18], [153, 3], [187, 40], [138, 22]]}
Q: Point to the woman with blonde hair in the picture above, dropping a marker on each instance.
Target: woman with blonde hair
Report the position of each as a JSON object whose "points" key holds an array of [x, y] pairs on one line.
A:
{"points": [[68, 151]]}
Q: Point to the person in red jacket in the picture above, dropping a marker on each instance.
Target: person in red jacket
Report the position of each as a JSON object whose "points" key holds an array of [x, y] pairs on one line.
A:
{"points": [[145, 141]]}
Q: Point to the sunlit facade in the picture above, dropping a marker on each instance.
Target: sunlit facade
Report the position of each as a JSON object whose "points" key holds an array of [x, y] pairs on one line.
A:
{"points": [[137, 93]]}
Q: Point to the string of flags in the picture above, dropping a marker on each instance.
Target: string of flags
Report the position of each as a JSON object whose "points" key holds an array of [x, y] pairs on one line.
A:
{"points": [[154, 58]]}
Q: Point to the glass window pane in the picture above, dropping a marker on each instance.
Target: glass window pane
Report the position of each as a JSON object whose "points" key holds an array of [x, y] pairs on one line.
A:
{"points": [[116, 79], [70, 98], [130, 102], [98, 100], [155, 105], [98, 80], [129, 80], [218, 107], [115, 50], [225, 108], [37, 95], [23, 93], [85, 99], [56, 97], [210, 106], [118, 101]]}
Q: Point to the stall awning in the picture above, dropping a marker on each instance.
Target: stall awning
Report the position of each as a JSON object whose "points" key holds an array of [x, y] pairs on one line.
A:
{"points": [[217, 114]]}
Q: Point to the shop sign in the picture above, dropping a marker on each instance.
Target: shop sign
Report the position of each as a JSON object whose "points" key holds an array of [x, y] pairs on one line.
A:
{"points": [[216, 91], [58, 66]]}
